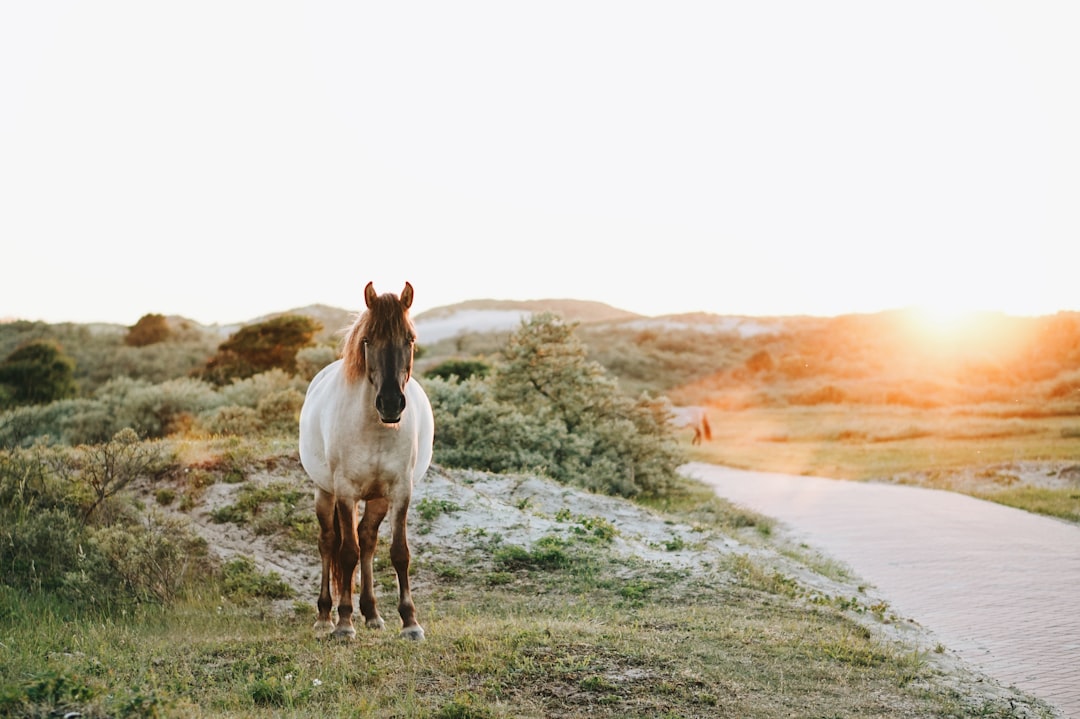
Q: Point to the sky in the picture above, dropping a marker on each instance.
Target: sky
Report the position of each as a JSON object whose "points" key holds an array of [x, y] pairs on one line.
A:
{"points": [[224, 160]]}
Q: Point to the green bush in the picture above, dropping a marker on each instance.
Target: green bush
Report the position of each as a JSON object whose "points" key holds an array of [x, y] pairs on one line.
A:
{"points": [[310, 360], [460, 369], [37, 373], [154, 558], [153, 410], [231, 420], [248, 392], [547, 408], [280, 411], [243, 581]]}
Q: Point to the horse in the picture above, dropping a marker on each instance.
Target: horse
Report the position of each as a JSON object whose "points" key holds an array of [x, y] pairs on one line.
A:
{"points": [[695, 417], [366, 433]]}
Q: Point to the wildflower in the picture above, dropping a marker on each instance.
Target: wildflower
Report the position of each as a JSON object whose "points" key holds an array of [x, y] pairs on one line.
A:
{"points": [[316, 682]]}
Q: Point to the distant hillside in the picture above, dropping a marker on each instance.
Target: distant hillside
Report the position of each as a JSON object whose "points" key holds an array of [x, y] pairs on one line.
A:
{"points": [[332, 319], [572, 310], [481, 316]]}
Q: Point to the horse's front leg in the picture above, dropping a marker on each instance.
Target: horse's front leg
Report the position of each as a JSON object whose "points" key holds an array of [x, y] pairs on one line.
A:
{"points": [[368, 534], [328, 544], [345, 567], [399, 555]]}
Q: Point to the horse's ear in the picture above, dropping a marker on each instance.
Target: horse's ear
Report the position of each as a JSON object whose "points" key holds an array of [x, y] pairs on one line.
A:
{"points": [[406, 296], [369, 294]]}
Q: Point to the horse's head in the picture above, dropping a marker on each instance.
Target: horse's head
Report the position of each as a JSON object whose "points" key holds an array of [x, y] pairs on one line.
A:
{"points": [[380, 348]]}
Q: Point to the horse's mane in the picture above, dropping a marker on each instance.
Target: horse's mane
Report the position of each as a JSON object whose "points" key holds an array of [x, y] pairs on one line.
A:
{"points": [[385, 318]]}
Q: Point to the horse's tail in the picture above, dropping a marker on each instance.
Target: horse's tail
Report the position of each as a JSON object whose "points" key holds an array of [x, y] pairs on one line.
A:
{"points": [[705, 425]]}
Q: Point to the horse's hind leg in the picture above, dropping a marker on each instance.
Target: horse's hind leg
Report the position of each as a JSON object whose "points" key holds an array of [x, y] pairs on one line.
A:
{"points": [[399, 555], [328, 543], [368, 535]]}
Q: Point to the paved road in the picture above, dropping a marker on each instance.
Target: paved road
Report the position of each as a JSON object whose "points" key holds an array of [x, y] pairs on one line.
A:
{"points": [[999, 586]]}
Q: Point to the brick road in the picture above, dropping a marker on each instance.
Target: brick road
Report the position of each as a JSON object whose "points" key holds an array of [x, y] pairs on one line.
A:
{"points": [[999, 586]]}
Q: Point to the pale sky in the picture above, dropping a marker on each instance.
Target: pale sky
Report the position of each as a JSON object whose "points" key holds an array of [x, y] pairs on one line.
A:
{"points": [[223, 160]]}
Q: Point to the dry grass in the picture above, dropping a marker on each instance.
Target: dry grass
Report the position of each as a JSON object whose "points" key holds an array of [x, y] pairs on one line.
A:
{"points": [[946, 448]]}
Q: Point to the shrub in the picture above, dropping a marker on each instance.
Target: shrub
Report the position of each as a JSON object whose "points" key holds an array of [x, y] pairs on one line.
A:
{"points": [[152, 410], [37, 373], [43, 544], [280, 411], [310, 360], [242, 581], [547, 408], [154, 558], [150, 329], [459, 369], [248, 392], [261, 347], [231, 420], [476, 431], [106, 469]]}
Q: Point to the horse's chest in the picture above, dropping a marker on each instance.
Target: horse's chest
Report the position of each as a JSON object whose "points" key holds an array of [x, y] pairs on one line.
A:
{"points": [[372, 467]]}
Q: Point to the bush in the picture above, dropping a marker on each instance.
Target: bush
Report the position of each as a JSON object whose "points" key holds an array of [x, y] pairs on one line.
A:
{"points": [[152, 410], [243, 581], [476, 431], [310, 360], [103, 470], [248, 392], [36, 373], [155, 558], [44, 545], [150, 329], [261, 347], [460, 369], [547, 408], [231, 420], [280, 411]]}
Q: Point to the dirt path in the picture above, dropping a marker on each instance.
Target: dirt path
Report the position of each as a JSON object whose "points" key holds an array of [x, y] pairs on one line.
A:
{"points": [[999, 586]]}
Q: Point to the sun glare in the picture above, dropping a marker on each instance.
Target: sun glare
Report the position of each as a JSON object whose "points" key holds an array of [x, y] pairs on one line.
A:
{"points": [[944, 319], [954, 329]]}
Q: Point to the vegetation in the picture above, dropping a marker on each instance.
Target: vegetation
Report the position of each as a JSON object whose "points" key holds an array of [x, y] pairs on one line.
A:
{"points": [[37, 373], [112, 603], [150, 329], [548, 408], [261, 347]]}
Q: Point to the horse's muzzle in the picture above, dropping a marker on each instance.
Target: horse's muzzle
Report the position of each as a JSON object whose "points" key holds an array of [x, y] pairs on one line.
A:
{"points": [[390, 406]]}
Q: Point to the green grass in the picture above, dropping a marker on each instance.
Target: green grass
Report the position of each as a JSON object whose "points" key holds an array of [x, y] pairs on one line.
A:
{"points": [[507, 651], [1060, 503]]}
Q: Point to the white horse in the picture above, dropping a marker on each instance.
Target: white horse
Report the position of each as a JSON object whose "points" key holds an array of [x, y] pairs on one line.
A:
{"points": [[366, 432], [694, 417]]}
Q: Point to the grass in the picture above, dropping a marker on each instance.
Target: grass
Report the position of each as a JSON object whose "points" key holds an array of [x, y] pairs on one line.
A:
{"points": [[565, 627], [534, 648], [875, 443], [1060, 503]]}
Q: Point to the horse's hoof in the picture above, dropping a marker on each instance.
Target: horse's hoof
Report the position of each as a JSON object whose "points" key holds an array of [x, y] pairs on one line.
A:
{"points": [[376, 623], [343, 633], [414, 633], [323, 626]]}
